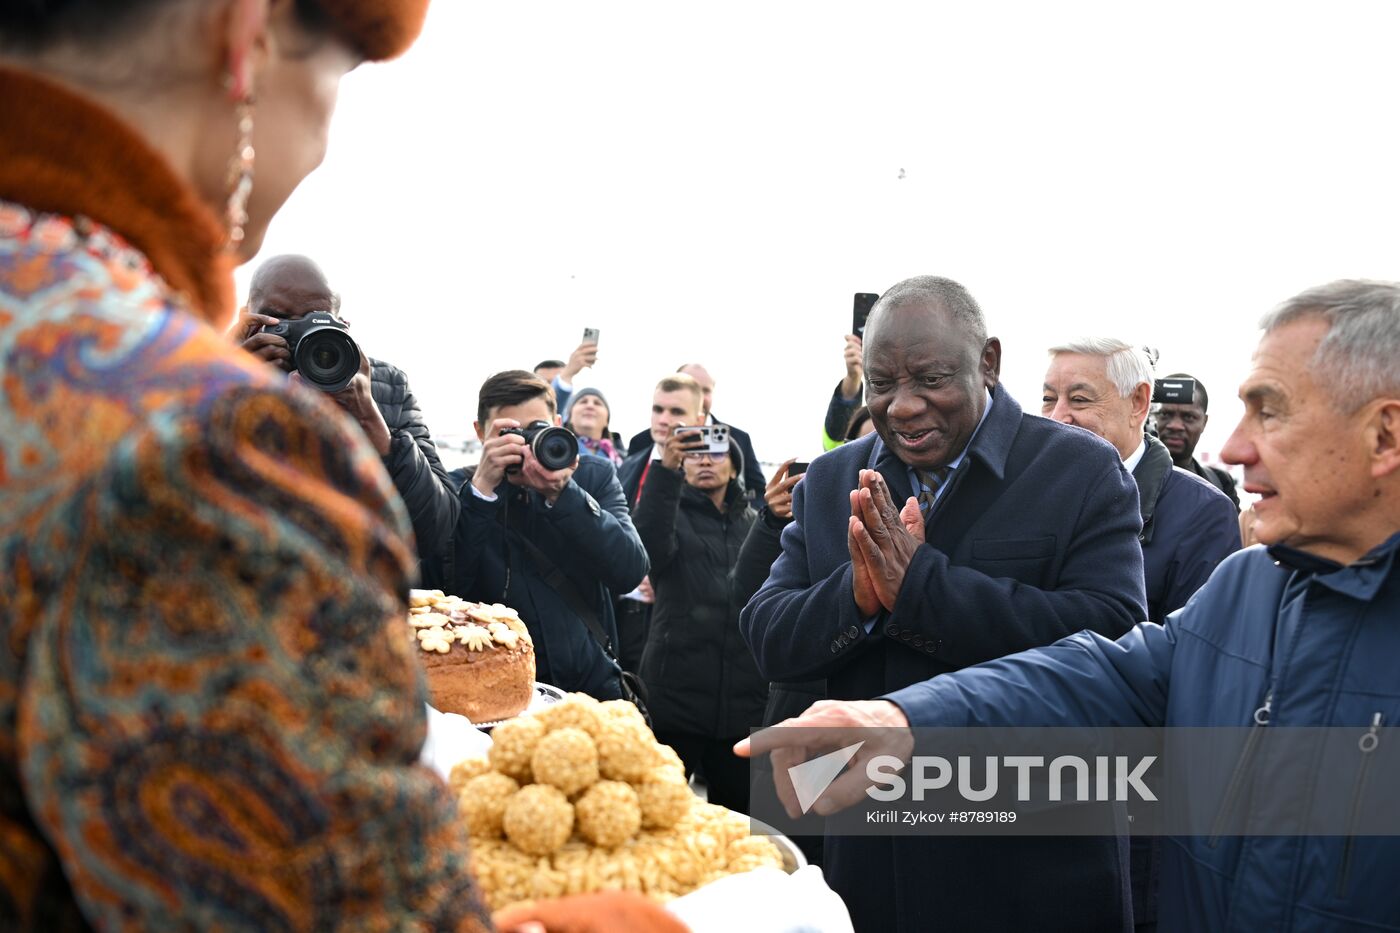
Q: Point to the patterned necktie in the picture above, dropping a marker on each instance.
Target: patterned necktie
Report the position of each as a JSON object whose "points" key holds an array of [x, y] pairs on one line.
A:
{"points": [[929, 483]]}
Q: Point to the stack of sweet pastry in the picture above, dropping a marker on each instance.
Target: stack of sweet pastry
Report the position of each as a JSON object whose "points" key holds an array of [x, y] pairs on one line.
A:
{"points": [[580, 797]]}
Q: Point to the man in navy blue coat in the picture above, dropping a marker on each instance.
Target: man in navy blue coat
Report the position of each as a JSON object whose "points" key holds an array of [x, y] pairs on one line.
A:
{"points": [[1014, 532]]}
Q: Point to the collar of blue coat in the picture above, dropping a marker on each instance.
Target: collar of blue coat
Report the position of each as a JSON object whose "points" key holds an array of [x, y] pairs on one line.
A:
{"points": [[990, 442], [1361, 579]]}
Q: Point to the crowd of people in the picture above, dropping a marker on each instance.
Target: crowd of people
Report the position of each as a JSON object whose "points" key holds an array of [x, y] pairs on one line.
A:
{"points": [[207, 534]]}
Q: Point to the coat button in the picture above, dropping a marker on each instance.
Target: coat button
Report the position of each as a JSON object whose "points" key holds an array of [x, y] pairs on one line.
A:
{"points": [[891, 629], [905, 636], [853, 632], [918, 641], [835, 647]]}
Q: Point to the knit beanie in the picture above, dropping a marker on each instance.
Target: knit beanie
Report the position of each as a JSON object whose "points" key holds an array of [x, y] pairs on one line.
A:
{"points": [[584, 393]]}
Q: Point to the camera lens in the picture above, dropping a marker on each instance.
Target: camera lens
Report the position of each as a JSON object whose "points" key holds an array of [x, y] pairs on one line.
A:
{"points": [[327, 358], [555, 448]]}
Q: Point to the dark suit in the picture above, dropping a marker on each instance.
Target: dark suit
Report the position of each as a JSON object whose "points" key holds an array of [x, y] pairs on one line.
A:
{"points": [[1220, 479], [1034, 539], [633, 617], [629, 474], [1188, 527]]}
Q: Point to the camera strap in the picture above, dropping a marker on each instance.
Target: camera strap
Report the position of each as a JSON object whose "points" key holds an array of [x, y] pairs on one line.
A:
{"points": [[556, 579]]}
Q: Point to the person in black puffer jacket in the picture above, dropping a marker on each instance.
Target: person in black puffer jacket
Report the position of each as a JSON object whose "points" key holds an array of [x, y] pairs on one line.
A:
{"points": [[417, 472], [287, 288], [704, 690]]}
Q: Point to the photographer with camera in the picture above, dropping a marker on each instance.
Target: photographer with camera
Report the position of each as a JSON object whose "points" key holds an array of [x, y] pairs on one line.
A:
{"points": [[548, 534], [292, 321]]}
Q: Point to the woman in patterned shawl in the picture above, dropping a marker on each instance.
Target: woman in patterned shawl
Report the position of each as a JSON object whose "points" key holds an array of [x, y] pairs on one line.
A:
{"points": [[210, 714]]}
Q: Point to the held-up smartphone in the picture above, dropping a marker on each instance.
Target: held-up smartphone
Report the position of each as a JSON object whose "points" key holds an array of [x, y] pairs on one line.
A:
{"points": [[798, 468], [860, 310], [590, 335], [714, 436]]}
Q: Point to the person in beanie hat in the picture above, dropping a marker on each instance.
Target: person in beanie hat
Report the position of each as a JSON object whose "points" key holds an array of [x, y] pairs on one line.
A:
{"points": [[211, 704], [587, 416]]}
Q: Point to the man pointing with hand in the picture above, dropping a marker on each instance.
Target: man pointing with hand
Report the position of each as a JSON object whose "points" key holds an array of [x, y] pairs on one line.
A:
{"points": [[973, 531]]}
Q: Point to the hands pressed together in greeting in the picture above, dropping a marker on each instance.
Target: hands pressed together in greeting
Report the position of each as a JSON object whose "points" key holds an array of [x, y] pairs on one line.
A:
{"points": [[882, 540]]}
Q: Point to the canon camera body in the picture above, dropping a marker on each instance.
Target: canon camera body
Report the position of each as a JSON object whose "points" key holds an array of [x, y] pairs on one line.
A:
{"points": [[322, 350]]}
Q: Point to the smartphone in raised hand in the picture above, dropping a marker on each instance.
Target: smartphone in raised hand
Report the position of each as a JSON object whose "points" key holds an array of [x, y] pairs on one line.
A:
{"points": [[860, 311], [590, 335], [708, 438]]}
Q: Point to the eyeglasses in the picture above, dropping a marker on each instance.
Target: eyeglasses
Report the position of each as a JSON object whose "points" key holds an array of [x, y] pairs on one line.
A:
{"points": [[1190, 419]]}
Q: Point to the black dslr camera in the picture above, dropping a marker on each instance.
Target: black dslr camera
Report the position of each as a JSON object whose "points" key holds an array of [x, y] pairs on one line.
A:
{"points": [[555, 448], [1173, 391], [322, 351]]}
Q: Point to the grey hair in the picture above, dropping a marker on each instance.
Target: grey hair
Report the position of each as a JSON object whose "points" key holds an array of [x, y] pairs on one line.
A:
{"points": [[944, 292], [1128, 366], [1358, 356]]}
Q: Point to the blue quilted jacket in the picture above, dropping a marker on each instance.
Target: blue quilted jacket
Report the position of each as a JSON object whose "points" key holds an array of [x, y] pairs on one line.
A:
{"points": [[1315, 643]]}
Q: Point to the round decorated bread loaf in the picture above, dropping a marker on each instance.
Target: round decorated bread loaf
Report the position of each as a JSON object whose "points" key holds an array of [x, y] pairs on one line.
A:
{"points": [[479, 658]]}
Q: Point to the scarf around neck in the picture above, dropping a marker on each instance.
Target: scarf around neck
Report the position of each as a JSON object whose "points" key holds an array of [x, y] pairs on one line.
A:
{"points": [[63, 154]]}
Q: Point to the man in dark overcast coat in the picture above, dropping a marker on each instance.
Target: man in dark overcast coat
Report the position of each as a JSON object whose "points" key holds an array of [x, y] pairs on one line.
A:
{"points": [[1014, 532]]}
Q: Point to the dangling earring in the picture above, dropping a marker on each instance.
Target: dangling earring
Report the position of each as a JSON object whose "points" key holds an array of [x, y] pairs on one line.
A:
{"points": [[240, 175]]}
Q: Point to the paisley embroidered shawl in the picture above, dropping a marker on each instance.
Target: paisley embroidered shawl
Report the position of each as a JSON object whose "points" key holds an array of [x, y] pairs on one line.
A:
{"points": [[209, 716]]}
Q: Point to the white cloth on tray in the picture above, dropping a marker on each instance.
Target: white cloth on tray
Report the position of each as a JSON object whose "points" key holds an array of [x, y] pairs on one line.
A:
{"points": [[767, 900], [451, 738]]}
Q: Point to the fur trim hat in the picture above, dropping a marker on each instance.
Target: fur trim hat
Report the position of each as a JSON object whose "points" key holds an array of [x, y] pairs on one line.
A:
{"points": [[380, 29]]}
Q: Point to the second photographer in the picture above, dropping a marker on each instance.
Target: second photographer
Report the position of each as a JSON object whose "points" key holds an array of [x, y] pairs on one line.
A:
{"points": [[548, 534]]}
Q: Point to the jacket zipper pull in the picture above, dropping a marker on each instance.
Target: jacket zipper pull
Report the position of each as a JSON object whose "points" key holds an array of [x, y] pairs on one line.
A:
{"points": [[1369, 741], [1241, 772], [1262, 714], [1372, 738]]}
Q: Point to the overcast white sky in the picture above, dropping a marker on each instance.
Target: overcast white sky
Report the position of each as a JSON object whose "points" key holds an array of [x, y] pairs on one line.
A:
{"points": [[712, 182]]}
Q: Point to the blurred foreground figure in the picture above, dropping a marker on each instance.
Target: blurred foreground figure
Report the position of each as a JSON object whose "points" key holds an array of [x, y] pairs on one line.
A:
{"points": [[210, 715], [1301, 632]]}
